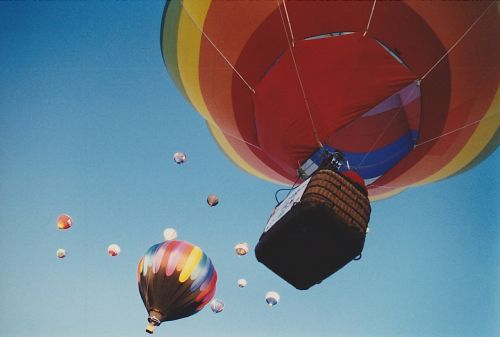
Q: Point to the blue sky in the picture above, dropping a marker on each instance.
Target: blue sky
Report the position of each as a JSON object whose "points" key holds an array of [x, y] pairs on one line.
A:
{"points": [[89, 120]]}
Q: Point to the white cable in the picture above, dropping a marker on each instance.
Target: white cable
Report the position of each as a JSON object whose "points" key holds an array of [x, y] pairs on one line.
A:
{"points": [[370, 19]]}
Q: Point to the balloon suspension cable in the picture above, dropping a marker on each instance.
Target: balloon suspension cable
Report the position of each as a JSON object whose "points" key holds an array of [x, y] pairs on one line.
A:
{"points": [[370, 19], [381, 134], [232, 136], [458, 129], [289, 23], [457, 42], [315, 131], [218, 50]]}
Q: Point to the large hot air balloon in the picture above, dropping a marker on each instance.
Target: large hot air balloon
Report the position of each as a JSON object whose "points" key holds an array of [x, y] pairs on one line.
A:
{"points": [[406, 90], [176, 280]]}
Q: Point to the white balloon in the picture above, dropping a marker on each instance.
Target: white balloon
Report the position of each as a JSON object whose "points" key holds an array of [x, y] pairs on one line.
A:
{"points": [[170, 234], [242, 283], [61, 253], [272, 298], [241, 248], [114, 249]]}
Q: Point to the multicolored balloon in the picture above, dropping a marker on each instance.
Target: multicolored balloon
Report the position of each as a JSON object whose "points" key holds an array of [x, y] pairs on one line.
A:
{"points": [[422, 107], [180, 158], [272, 298], [64, 221], [170, 234], [114, 249], [61, 253], [241, 248], [212, 200], [176, 280], [216, 305]]}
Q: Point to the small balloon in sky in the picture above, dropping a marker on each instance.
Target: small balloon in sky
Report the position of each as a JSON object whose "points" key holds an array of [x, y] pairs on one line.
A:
{"points": [[272, 298], [64, 221], [212, 200], [241, 248], [61, 253], [170, 234], [216, 305], [180, 157], [242, 283], [114, 249]]}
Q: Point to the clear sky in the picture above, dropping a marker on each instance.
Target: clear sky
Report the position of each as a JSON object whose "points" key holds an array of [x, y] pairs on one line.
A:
{"points": [[89, 120]]}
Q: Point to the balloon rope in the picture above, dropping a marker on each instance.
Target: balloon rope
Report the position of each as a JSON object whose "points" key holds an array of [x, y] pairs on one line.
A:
{"points": [[315, 131], [218, 50], [289, 23], [370, 19], [457, 129], [458, 41]]}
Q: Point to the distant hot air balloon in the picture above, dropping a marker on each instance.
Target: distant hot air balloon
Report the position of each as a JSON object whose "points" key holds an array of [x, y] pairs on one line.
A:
{"points": [[114, 249], [176, 280], [170, 234], [216, 305], [272, 298], [61, 253], [242, 283], [241, 248], [212, 200], [179, 158], [64, 221]]}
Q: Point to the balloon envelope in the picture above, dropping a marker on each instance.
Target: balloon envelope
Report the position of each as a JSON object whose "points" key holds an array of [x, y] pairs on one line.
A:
{"points": [[176, 280], [170, 234], [61, 253], [242, 283], [179, 158], [272, 298], [241, 248], [423, 107], [212, 200], [216, 305], [114, 249], [64, 221]]}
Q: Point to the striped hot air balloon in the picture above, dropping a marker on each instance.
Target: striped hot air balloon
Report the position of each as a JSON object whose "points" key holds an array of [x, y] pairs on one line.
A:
{"points": [[176, 280], [406, 90]]}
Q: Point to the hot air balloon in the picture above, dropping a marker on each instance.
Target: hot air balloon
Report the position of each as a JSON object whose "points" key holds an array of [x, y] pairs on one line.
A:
{"points": [[64, 221], [114, 249], [242, 283], [170, 234], [241, 248], [408, 101], [61, 253], [272, 298], [179, 158], [176, 280], [212, 200], [216, 305], [284, 85]]}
